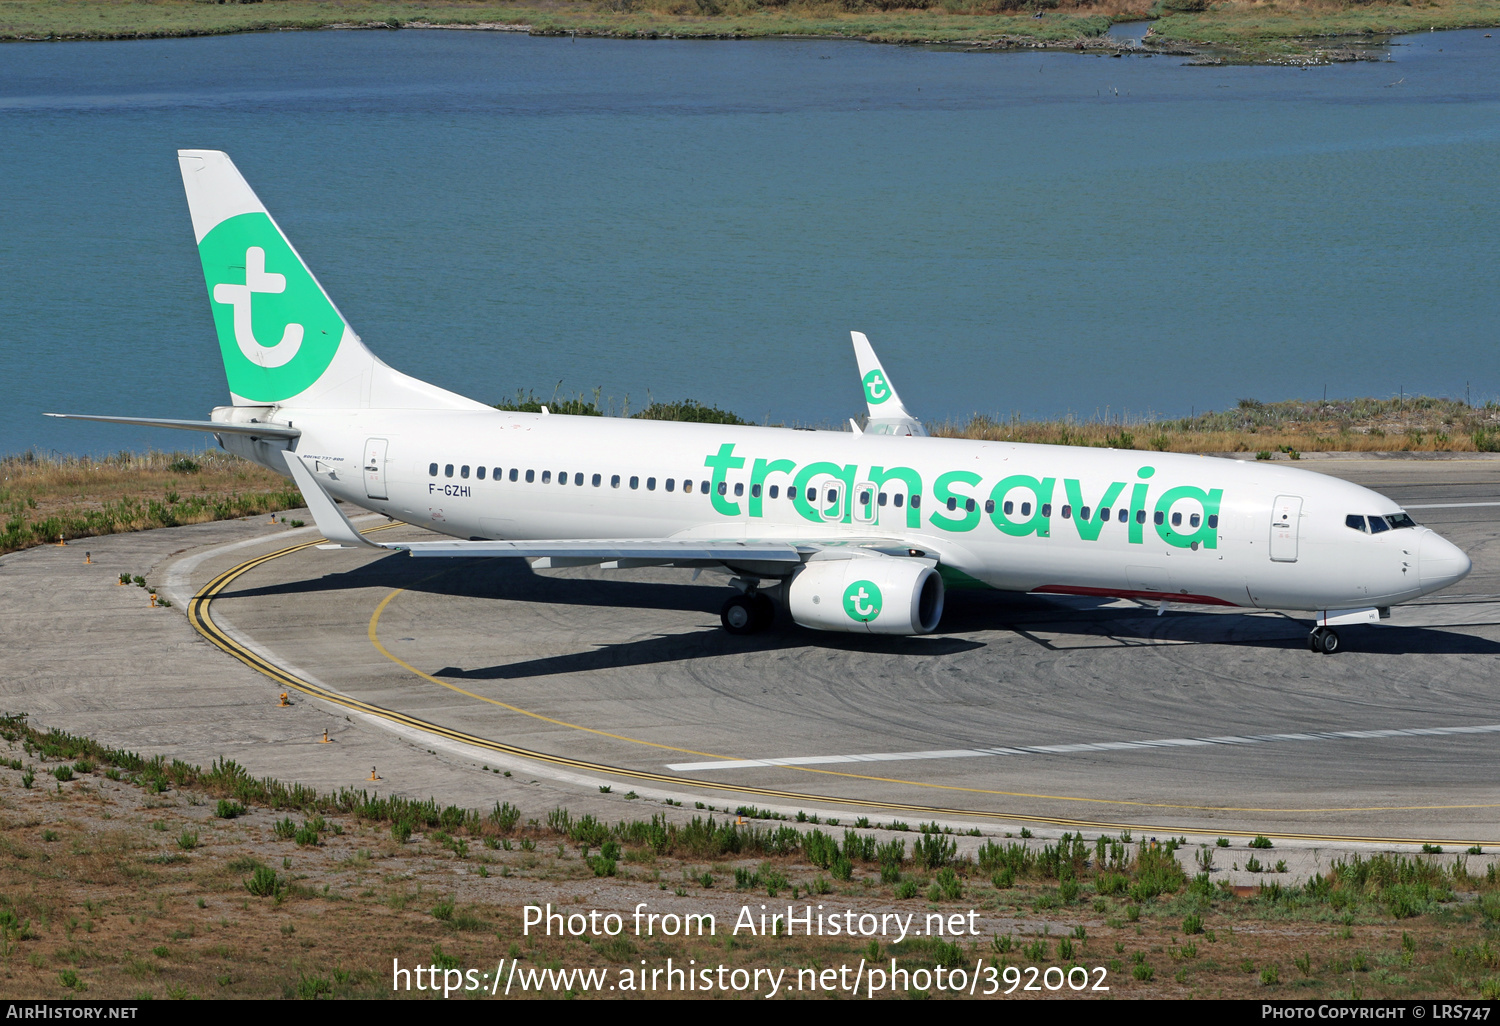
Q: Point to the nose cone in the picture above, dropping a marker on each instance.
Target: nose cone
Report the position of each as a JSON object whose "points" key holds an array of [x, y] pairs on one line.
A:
{"points": [[1440, 562]]}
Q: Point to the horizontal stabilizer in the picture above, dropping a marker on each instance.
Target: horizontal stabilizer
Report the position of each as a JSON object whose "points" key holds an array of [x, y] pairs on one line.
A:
{"points": [[214, 426]]}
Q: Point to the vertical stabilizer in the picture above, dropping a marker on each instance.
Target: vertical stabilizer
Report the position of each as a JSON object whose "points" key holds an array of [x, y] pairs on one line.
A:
{"points": [[887, 414], [282, 340]]}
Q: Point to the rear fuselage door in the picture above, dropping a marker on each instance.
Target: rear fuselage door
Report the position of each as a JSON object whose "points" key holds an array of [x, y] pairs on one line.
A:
{"points": [[375, 468], [1285, 515]]}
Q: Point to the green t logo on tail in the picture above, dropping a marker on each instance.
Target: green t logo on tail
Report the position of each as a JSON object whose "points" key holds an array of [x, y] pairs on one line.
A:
{"points": [[277, 330], [877, 390], [862, 601]]}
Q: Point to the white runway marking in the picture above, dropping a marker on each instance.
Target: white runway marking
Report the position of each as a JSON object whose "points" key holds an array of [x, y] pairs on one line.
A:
{"points": [[1098, 746], [1452, 505]]}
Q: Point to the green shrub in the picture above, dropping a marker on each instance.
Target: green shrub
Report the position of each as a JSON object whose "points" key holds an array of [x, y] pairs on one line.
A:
{"points": [[285, 829], [228, 809], [1192, 924], [934, 851], [1261, 841], [689, 410], [188, 839], [265, 883], [63, 773]]}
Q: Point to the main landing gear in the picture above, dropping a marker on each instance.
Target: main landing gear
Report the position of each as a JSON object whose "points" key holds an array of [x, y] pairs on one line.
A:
{"points": [[749, 613], [1324, 640]]}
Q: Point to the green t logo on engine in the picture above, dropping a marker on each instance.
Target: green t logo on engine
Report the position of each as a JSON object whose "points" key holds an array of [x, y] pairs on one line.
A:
{"points": [[862, 601]]}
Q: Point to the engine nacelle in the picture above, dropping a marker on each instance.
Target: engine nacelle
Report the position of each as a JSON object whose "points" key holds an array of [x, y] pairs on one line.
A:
{"points": [[874, 594]]}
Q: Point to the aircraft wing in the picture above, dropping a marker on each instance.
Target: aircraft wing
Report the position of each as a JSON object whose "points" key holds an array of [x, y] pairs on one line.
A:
{"points": [[770, 557], [888, 416]]}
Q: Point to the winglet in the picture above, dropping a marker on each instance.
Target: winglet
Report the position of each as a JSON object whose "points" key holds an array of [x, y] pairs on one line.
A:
{"points": [[325, 512], [888, 416]]}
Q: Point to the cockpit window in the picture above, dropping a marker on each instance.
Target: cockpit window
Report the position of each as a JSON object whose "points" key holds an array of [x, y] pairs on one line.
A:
{"points": [[1355, 521], [1378, 524], [1399, 520]]}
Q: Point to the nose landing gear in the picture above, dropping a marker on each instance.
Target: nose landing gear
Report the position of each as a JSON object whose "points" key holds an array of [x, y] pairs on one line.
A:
{"points": [[1324, 640], [748, 613]]}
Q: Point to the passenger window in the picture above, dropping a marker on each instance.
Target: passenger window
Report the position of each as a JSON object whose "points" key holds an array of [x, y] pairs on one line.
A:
{"points": [[562, 478], [723, 488], [464, 472], [546, 477], [968, 505], [578, 480], [671, 484], [1355, 521], [1378, 524], [739, 489], [530, 476], [989, 505], [1047, 509], [1067, 512], [812, 495], [432, 470], [703, 487], [1009, 507], [755, 491], [952, 503], [1213, 520], [479, 473], [916, 502], [448, 470], [1176, 519], [513, 474], [1104, 513], [650, 484], [881, 500], [1083, 512], [833, 496], [775, 491], [898, 499], [1140, 516], [496, 474], [598, 480], [687, 486], [635, 482], [1194, 520], [1122, 515], [1025, 509], [614, 480], [1159, 518]]}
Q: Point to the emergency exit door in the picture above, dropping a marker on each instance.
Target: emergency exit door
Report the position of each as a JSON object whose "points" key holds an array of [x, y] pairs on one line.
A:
{"points": [[375, 468], [1285, 515]]}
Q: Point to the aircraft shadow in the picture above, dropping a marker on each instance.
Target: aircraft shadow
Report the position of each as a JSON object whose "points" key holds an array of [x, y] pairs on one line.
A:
{"points": [[1073, 622]]}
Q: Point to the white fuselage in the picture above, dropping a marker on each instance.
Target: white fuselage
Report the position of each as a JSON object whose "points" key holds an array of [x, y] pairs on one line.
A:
{"points": [[1010, 515]]}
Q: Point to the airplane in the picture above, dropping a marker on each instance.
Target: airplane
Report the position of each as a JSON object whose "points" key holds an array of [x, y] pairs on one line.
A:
{"points": [[852, 531]]}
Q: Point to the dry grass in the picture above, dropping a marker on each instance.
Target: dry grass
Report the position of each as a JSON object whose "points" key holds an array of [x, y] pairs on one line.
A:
{"points": [[44, 498], [1288, 26], [1414, 424], [98, 897]]}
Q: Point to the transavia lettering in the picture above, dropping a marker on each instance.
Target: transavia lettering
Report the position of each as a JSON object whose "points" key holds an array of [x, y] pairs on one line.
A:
{"points": [[1020, 505]]}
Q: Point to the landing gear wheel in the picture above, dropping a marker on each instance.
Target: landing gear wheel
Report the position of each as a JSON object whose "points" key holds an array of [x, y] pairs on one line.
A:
{"points": [[739, 614], [1324, 640], [765, 611]]}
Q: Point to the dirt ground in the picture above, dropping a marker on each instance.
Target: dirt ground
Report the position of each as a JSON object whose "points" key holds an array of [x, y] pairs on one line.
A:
{"points": [[111, 890]]}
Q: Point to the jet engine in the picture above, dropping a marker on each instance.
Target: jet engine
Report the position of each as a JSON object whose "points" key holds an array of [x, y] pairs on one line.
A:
{"points": [[872, 594]]}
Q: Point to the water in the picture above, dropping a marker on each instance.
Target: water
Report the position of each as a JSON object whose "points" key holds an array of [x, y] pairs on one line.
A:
{"points": [[1029, 233]]}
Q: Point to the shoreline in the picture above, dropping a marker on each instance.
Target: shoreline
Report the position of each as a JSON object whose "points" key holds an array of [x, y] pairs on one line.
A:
{"points": [[1231, 33]]}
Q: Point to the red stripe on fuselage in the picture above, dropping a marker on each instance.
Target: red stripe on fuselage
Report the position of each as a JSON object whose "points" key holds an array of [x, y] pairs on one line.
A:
{"points": [[1151, 596]]}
